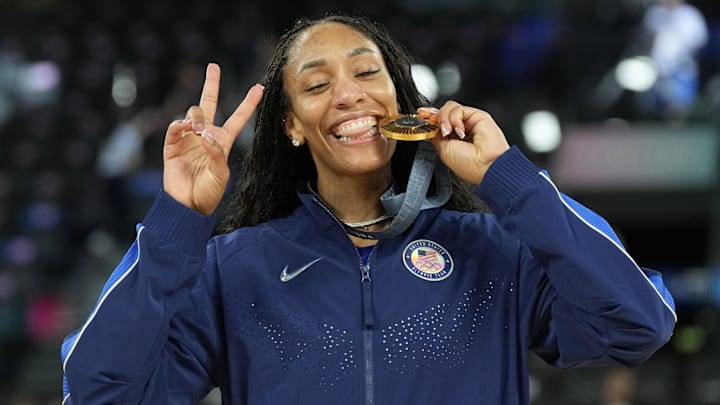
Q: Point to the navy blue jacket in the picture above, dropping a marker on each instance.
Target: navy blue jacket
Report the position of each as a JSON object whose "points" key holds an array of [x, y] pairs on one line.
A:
{"points": [[445, 313]]}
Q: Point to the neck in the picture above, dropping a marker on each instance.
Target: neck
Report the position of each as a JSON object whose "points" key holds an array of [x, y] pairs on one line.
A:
{"points": [[355, 198]]}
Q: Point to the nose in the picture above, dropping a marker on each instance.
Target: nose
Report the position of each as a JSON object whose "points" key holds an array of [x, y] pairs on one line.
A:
{"points": [[347, 92]]}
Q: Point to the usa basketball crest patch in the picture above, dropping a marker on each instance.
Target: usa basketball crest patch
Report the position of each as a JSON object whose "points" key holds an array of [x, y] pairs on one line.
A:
{"points": [[427, 260]]}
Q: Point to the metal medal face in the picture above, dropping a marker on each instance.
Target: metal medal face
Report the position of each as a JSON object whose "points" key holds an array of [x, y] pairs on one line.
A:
{"points": [[408, 127]]}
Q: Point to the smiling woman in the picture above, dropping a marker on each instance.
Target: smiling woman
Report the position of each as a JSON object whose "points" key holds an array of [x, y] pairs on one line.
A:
{"points": [[339, 88], [368, 66], [306, 298]]}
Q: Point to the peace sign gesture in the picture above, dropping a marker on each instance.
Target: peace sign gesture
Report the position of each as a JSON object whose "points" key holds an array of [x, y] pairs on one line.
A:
{"points": [[195, 153]]}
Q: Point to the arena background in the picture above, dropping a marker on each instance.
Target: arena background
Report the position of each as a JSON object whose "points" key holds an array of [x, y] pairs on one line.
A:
{"points": [[87, 89]]}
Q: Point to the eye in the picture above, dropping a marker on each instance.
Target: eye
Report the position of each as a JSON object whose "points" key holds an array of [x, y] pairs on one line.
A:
{"points": [[315, 87], [368, 72]]}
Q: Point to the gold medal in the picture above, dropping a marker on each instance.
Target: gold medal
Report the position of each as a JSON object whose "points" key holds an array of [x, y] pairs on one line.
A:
{"points": [[408, 127]]}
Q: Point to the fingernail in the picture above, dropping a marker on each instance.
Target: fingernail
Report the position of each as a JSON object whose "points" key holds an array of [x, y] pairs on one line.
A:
{"points": [[207, 136], [460, 132], [199, 127], [261, 86], [445, 129], [427, 110]]}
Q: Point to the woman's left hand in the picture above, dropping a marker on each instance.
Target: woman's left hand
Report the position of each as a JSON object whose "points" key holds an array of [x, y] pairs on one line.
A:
{"points": [[469, 139]]}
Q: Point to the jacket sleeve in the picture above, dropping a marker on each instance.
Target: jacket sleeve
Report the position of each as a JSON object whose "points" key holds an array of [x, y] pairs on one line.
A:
{"points": [[152, 336], [583, 299]]}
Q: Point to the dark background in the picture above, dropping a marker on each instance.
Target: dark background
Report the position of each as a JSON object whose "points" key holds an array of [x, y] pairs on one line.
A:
{"points": [[80, 163]]}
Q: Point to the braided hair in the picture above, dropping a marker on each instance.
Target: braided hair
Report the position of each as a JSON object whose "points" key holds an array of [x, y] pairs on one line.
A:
{"points": [[273, 171]]}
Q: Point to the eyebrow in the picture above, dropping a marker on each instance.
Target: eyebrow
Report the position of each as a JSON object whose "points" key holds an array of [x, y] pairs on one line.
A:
{"points": [[320, 62]]}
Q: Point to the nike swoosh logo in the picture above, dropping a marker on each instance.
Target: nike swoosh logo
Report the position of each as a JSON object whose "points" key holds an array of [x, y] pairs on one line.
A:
{"points": [[286, 275]]}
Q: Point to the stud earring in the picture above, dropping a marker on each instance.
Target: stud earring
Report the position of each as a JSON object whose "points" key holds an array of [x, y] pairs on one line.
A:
{"points": [[295, 142]]}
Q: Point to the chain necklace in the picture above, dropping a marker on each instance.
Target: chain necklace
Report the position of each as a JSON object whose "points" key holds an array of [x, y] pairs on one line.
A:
{"points": [[365, 224]]}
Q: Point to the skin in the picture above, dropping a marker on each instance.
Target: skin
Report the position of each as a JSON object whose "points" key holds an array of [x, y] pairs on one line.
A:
{"points": [[334, 75], [195, 152]]}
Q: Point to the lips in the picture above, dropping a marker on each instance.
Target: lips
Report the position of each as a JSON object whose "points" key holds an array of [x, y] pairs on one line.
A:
{"points": [[356, 129]]}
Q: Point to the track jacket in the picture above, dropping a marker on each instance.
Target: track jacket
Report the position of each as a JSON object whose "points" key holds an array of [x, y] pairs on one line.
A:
{"points": [[287, 313]]}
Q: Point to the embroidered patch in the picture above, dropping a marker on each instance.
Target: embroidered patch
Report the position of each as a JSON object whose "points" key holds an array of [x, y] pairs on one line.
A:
{"points": [[427, 260]]}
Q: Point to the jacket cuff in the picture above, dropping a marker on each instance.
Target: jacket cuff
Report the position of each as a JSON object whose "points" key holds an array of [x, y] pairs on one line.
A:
{"points": [[177, 224], [506, 178]]}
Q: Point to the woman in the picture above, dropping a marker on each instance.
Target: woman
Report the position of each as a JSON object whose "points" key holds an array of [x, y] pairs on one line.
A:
{"points": [[290, 306]]}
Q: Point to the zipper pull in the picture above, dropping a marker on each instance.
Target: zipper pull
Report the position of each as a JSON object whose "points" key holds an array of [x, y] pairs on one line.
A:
{"points": [[365, 271]]}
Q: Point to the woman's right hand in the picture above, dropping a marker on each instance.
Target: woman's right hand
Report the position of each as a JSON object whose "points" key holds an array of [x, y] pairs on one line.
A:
{"points": [[195, 153]]}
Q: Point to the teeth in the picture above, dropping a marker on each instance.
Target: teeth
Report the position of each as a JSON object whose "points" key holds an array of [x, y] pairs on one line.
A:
{"points": [[356, 125], [369, 134]]}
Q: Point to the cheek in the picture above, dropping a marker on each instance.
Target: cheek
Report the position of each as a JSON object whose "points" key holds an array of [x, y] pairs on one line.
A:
{"points": [[391, 98], [309, 114], [391, 147]]}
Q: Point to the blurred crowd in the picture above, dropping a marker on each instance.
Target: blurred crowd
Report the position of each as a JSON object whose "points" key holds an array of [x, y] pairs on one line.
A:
{"points": [[88, 88]]}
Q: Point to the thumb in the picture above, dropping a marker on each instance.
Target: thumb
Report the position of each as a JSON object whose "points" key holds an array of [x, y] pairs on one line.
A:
{"points": [[212, 148], [459, 156]]}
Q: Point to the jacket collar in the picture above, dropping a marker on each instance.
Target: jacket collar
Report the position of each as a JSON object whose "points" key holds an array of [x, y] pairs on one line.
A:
{"points": [[324, 218], [320, 213]]}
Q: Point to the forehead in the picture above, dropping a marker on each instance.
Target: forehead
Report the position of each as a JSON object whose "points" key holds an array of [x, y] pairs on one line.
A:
{"points": [[324, 38]]}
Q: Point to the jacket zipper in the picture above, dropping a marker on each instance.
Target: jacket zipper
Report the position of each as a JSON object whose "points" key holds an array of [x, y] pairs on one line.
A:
{"points": [[367, 332], [367, 310]]}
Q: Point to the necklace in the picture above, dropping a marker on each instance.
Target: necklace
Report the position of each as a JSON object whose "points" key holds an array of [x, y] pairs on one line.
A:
{"points": [[364, 224]]}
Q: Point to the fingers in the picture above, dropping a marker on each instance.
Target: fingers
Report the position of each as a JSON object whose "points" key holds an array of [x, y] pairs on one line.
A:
{"points": [[474, 126], [177, 130], [210, 91], [196, 116], [242, 113], [198, 119], [213, 148], [429, 113], [450, 118], [456, 118]]}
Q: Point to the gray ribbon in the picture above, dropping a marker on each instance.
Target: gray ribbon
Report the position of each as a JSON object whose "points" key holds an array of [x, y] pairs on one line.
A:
{"points": [[405, 207]]}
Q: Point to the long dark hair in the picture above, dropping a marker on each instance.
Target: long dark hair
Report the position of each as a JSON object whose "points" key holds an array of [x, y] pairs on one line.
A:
{"points": [[273, 170]]}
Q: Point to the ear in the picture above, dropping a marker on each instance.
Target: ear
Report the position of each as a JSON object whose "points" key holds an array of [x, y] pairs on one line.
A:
{"points": [[293, 128]]}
